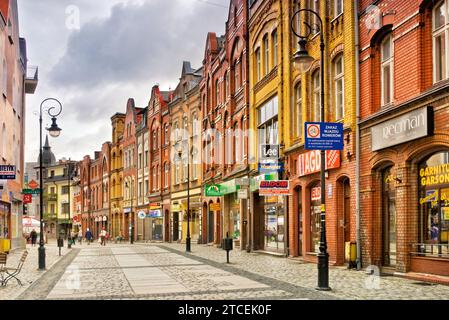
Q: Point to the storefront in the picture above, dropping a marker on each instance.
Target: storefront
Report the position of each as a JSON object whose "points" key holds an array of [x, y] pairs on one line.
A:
{"points": [[194, 219], [155, 221], [268, 223], [5, 220], [434, 205]]}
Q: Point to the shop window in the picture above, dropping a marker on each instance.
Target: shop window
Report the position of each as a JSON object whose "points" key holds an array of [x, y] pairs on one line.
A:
{"points": [[268, 122], [434, 205], [315, 219]]}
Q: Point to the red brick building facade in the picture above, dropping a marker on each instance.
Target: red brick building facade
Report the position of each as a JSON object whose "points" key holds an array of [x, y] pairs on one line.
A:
{"points": [[404, 135], [225, 109]]}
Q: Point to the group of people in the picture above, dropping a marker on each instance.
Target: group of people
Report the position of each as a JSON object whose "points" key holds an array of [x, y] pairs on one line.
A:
{"points": [[88, 236]]}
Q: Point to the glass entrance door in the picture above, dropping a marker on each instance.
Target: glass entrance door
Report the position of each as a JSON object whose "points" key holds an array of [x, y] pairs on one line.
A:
{"points": [[389, 218]]}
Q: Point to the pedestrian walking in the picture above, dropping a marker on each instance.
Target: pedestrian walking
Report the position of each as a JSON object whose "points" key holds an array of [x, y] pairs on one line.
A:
{"points": [[80, 236], [103, 235], [33, 236], [88, 236]]}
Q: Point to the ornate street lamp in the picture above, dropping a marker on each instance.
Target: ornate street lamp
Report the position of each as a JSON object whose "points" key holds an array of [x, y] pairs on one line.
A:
{"points": [[302, 61], [188, 240], [53, 111]]}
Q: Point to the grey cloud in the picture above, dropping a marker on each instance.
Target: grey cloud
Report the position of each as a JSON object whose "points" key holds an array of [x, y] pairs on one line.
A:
{"points": [[137, 42]]}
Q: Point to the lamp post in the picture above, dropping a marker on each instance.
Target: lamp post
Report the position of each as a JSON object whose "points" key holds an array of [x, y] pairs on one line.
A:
{"points": [[69, 229], [188, 240], [54, 111], [131, 227], [302, 62]]}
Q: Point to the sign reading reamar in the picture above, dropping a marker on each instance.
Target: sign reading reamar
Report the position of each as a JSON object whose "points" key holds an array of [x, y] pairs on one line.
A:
{"points": [[410, 126], [434, 175]]}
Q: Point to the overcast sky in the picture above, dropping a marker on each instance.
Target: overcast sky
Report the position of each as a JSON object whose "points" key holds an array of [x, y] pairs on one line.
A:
{"points": [[118, 50]]}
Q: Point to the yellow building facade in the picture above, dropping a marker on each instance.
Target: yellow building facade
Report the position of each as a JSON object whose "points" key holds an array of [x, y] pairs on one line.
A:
{"points": [[116, 175], [302, 93]]}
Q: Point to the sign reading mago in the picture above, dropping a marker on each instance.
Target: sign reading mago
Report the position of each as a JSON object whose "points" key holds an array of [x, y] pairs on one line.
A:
{"points": [[323, 136]]}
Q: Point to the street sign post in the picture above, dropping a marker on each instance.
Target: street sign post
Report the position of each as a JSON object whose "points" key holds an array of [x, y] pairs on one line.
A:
{"points": [[323, 136]]}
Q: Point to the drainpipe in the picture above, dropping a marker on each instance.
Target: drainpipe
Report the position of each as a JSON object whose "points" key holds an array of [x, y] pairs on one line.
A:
{"points": [[357, 132]]}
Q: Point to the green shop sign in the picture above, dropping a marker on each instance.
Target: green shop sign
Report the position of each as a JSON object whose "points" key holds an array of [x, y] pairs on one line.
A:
{"points": [[214, 190]]}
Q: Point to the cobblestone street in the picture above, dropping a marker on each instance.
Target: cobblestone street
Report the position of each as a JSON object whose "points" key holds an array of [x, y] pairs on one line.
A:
{"points": [[165, 271]]}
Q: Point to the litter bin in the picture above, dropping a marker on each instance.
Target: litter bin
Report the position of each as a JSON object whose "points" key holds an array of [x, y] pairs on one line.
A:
{"points": [[351, 253], [5, 245]]}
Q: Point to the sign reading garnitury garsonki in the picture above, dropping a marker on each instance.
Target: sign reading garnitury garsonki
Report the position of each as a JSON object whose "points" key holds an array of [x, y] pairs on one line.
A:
{"points": [[410, 126]]}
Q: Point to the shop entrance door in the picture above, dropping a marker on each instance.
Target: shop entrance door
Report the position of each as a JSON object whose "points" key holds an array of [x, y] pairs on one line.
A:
{"points": [[175, 226], [299, 221], [389, 219], [210, 226]]}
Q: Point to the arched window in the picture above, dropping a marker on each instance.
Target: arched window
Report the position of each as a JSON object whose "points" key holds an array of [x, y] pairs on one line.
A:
{"points": [[440, 39], [298, 110], [339, 77], [166, 175], [258, 65], [316, 84], [266, 55], [338, 7], [236, 75], [386, 71], [225, 87], [274, 41], [217, 92]]}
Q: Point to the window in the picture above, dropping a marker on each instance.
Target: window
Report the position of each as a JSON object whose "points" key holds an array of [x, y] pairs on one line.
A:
{"points": [[339, 88], [52, 190], [266, 57], [145, 190], [244, 137], [166, 135], [236, 75], [316, 22], [177, 174], [140, 160], [316, 83], [387, 71], [217, 93], [268, 122], [166, 174], [274, 37], [235, 144], [65, 190], [258, 65], [440, 38], [154, 140], [140, 190], [298, 110], [225, 89], [338, 7]]}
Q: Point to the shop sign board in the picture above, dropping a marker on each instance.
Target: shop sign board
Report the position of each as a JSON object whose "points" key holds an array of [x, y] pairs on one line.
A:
{"points": [[274, 188], [244, 182], [141, 214], [316, 194], [214, 190], [323, 136], [269, 151], [33, 185], [7, 172], [310, 162], [214, 207], [242, 194], [410, 126], [31, 191], [155, 205], [271, 167], [154, 214], [27, 198]]}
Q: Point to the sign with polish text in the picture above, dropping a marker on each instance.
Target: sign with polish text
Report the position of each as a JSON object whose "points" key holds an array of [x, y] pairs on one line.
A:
{"points": [[7, 172], [323, 136], [274, 188], [310, 162]]}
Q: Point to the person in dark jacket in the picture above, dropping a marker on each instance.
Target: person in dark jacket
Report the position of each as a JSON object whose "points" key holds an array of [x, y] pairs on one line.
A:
{"points": [[88, 236], [33, 236]]}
